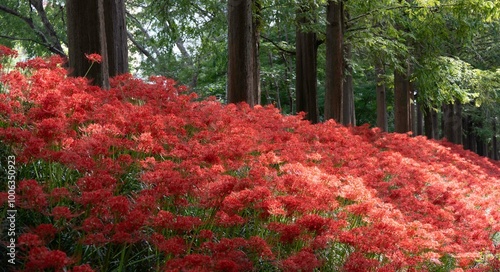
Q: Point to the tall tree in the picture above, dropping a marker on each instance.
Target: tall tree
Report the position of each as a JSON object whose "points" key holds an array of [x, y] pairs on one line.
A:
{"points": [[402, 106], [241, 77], [88, 25], [116, 36], [306, 64], [348, 112], [334, 82], [381, 97], [257, 25]]}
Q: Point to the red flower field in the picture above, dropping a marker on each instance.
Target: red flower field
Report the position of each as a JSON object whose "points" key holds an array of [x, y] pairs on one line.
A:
{"points": [[145, 177]]}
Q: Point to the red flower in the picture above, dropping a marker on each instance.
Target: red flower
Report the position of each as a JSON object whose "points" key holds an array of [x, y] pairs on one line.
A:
{"points": [[32, 195], [358, 262], [7, 52], [46, 232], [41, 258], [59, 212], [94, 57], [302, 261], [29, 240]]}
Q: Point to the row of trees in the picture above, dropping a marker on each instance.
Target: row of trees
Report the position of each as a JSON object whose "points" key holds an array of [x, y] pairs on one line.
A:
{"points": [[424, 66]]}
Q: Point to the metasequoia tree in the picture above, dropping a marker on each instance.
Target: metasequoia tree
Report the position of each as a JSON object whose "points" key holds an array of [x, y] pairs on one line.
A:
{"points": [[381, 97], [97, 26], [402, 106], [241, 73], [306, 65], [334, 60]]}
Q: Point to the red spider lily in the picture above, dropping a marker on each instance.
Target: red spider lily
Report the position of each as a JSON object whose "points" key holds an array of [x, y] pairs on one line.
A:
{"points": [[94, 57], [304, 260], [43, 258], [192, 178], [7, 52]]}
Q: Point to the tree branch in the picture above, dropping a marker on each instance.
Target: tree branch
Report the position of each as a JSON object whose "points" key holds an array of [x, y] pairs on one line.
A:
{"points": [[39, 33], [142, 49], [38, 4], [278, 46]]}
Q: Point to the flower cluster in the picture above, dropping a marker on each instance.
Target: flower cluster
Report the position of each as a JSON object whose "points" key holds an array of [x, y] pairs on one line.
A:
{"points": [[94, 57], [143, 176]]}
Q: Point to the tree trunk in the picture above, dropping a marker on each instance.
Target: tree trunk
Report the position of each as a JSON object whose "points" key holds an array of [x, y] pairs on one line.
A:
{"points": [[116, 36], [448, 122], [97, 26], [452, 122], [241, 49], [457, 123], [431, 126], [495, 140], [420, 119], [306, 69], [87, 35], [413, 109], [348, 114], [428, 122], [435, 125], [257, 7], [334, 60], [381, 97], [402, 108]]}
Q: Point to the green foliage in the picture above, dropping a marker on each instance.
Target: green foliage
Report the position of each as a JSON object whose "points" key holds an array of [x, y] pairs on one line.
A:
{"points": [[23, 26]]}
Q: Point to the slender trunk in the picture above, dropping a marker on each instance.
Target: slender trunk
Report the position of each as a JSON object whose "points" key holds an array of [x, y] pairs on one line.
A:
{"points": [[241, 49], [435, 124], [420, 120], [381, 97], [257, 7], [448, 122], [306, 69], [457, 123], [465, 135], [348, 114], [334, 61], [428, 122], [413, 109], [495, 140], [402, 106]]}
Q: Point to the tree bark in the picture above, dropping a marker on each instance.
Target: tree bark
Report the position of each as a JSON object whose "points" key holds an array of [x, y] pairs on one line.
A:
{"points": [[86, 35], [419, 120], [402, 107], [448, 122], [381, 97], [435, 125], [241, 49], [428, 127], [334, 61], [348, 111], [97, 26], [306, 69], [452, 122], [257, 7], [457, 123], [495, 140], [116, 36]]}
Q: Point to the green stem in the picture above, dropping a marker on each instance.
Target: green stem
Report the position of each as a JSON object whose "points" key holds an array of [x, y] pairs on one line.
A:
{"points": [[122, 258], [86, 73]]}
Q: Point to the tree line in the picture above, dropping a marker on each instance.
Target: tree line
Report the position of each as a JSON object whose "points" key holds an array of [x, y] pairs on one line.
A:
{"points": [[429, 67]]}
